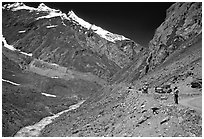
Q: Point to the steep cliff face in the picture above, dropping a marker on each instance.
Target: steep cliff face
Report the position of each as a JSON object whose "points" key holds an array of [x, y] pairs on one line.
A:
{"points": [[181, 29], [182, 26], [66, 40]]}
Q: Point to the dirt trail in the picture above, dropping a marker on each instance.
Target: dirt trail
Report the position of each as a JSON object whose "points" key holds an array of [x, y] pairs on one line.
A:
{"points": [[194, 103]]}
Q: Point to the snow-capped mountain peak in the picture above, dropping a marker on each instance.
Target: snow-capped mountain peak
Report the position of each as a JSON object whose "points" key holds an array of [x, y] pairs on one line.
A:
{"points": [[18, 6], [78, 20], [98, 30], [21, 6], [70, 16], [43, 7]]}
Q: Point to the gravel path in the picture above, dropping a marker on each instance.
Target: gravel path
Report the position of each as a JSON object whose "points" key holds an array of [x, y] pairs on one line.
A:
{"points": [[194, 103]]}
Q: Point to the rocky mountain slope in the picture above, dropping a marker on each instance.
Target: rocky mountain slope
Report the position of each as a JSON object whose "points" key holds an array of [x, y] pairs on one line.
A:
{"points": [[183, 24], [66, 40], [49, 54], [53, 62], [181, 29]]}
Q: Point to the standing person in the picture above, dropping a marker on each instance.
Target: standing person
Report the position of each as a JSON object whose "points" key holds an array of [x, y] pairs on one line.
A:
{"points": [[176, 91], [145, 88]]}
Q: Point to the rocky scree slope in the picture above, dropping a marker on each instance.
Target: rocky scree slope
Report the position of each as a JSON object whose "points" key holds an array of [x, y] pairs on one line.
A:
{"points": [[66, 40]]}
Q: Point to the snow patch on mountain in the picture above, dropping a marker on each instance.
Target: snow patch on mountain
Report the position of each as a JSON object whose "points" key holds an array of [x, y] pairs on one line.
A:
{"points": [[21, 31], [51, 26], [54, 14], [43, 7], [18, 6], [10, 47], [75, 18], [48, 95], [5, 44], [30, 54], [71, 17], [21, 6], [98, 30], [10, 82]]}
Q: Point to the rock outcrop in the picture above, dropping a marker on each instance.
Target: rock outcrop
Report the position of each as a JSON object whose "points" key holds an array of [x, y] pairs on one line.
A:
{"points": [[181, 29], [182, 25]]}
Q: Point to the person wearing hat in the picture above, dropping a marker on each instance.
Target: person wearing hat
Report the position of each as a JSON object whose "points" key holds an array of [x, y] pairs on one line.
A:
{"points": [[176, 91]]}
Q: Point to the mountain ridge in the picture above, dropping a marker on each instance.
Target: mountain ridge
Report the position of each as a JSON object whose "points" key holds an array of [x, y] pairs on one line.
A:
{"points": [[119, 50], [70, 16]]}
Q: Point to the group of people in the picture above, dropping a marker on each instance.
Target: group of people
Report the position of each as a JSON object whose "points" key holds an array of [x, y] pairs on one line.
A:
{"points": [[175, 91]]}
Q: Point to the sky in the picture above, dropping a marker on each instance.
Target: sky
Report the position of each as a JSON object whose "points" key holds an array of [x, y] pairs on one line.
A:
{"points": [[135, 20]]}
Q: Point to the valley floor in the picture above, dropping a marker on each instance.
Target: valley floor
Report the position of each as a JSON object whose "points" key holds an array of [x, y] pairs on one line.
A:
{"points": [[119, 109]]}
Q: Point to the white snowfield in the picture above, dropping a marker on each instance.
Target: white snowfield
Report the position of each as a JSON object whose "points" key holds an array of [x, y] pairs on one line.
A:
{"points": [[21, 6], [21, 31], [51, 26], [34, 130], [5, 44], [71, 16], [30, 54], [10, 82], [48, 95]]}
